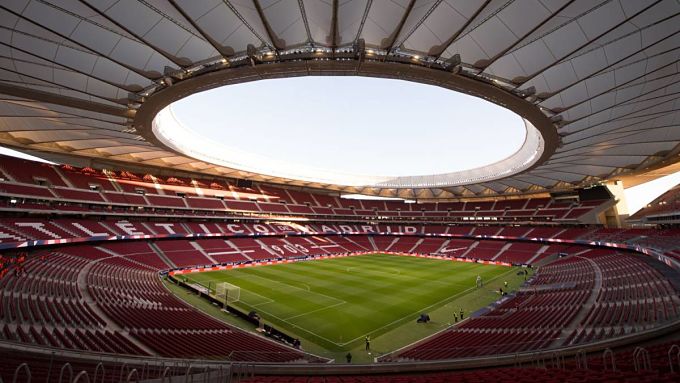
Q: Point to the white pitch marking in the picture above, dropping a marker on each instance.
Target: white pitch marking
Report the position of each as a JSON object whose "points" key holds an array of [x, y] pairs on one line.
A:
{"points": [[301, 328], [315, 311], [268, 300], [296, 287], [423, 309]]}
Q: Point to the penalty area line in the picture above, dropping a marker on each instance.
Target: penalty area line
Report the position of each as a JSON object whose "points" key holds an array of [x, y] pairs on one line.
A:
{"points": [[267, 299], [308, 289]]}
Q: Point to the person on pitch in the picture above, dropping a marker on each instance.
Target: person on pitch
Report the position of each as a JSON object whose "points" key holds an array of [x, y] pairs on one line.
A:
{"points": [[368, 343]]}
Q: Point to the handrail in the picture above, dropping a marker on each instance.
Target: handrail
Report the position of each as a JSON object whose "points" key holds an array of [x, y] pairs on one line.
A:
{"points": [[100, 365], [317, 369], [670, 357], [641, 359], [187, 373], [145, 371], [165, 373], [581, 359], [70, 372], [129, 376], [557, 361], [612, 358], [123, 367], [49, 369], [22, 366], [80, 375]]}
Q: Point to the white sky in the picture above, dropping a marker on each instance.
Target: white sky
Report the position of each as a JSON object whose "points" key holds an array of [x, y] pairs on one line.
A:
{"points": [[641, 195], [365, 126], [15, 153]]}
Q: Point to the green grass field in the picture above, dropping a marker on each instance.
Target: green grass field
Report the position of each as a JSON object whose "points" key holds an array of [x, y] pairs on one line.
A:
{"points": [[335, 303]]}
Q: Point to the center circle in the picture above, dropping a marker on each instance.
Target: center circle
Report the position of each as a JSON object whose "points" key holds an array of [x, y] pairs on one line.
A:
{"points": [[343, 130]]}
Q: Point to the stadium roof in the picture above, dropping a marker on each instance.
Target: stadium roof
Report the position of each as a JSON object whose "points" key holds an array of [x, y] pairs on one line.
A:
{"points": [[598, 79]]}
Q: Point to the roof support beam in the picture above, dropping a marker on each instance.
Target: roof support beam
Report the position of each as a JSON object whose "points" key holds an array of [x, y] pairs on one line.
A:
{"points": [[89, 49], [119, 86], [62, 86], [72, 102], [171, 58], [252, 30], [30, 104], [408, 33], [72, 127], [605, 139], [276, 42], [609, 65], [532, 30], [393, 37], [334, 25], [438, 50], [630, 116], [222, 50], [590, 41], [363, 20], [303, 13], [631, 100], [651, 117]]}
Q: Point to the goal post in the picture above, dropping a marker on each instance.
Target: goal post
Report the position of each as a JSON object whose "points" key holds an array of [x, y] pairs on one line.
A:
{"points": [[227, 292]]}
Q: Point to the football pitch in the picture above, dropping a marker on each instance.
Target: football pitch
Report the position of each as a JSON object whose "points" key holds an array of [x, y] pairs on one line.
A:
{"points": [[336, 302]]}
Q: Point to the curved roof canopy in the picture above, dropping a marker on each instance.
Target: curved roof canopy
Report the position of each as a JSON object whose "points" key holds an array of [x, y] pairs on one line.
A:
{"points": [[598, 79]]}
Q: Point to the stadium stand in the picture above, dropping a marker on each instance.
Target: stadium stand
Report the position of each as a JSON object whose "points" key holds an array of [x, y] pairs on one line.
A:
{"points": [[106, 297], [599, 294], [664, 209], [103, 258], [46, 305], [104, 188]]}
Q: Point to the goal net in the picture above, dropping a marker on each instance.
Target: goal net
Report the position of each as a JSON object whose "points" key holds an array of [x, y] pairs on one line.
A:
{"points": [[227, 292]]}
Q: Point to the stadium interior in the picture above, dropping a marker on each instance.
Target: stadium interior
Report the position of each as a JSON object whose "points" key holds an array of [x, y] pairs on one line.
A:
{"points": [[121, 253]]}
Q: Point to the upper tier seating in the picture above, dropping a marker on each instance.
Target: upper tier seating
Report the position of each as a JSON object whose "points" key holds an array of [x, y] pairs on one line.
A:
{"points": [[664, 205], [31, 172], [178, 195], [665, 241]]}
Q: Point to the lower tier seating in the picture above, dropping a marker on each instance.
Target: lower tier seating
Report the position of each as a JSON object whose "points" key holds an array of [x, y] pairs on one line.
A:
{"points": [[578, 299], [95, 301], [108, 298]]}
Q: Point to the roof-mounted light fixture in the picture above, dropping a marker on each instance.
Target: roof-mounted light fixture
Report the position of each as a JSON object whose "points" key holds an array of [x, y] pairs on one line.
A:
{"points": [[453, 64]]}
